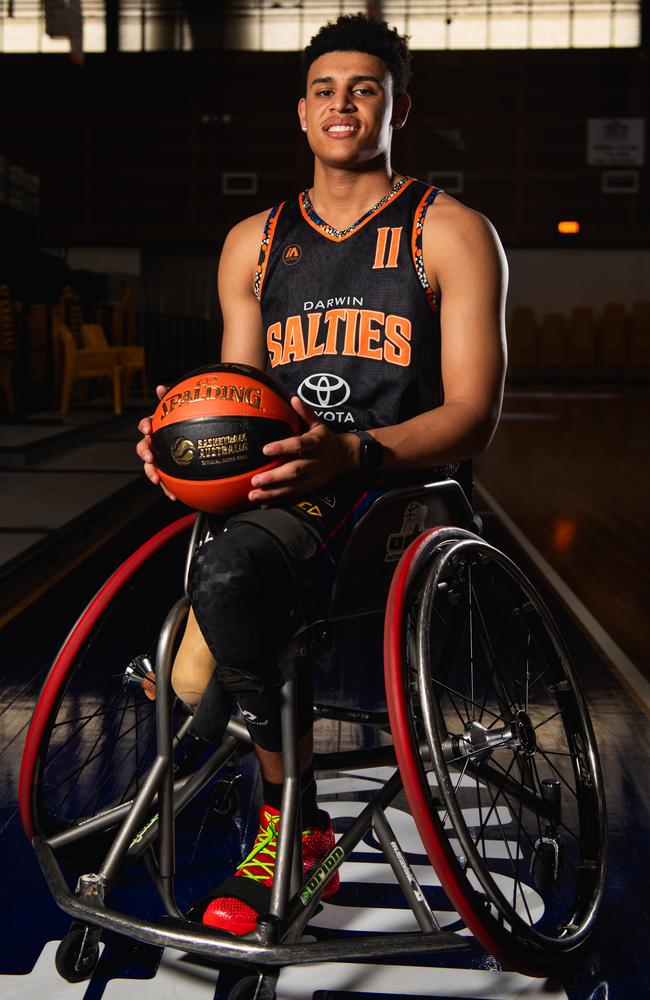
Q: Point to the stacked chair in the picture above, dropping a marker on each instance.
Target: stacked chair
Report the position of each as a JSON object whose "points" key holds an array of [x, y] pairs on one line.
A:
{"points": [[613, 347]]}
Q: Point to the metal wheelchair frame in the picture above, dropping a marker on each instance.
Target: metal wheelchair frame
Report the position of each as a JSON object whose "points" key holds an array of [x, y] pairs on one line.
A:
{"points": [[294, 900]]}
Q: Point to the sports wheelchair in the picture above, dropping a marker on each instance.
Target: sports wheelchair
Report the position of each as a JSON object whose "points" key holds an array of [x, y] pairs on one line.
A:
{"points": [[486, 740]]}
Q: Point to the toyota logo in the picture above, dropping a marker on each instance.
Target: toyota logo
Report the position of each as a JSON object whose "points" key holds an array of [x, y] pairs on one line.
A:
{"points": [[323, 389]]}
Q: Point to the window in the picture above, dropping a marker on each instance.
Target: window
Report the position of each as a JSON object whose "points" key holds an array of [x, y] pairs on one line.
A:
{"points": [[287, 25]]}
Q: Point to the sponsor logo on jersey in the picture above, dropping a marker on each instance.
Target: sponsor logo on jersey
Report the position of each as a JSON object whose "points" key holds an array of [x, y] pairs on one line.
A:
{"points": [[323, 389], [363, 333], [310, 508], [292, 254]]}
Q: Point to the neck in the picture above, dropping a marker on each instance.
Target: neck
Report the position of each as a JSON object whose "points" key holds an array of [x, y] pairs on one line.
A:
{"points": [[343, 196]]}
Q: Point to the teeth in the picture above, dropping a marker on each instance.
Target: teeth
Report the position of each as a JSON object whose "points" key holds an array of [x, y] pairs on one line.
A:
{"points": [[341, 128]]}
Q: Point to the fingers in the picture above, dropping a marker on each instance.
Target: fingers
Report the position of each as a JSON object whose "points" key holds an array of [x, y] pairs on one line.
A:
{"points": [[304, 412], [144, 450], [143, 447], [292, 447], [280, 482]]}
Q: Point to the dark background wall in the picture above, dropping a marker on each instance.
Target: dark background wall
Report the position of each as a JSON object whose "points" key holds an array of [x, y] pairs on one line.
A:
{"points": [[131, 147]]}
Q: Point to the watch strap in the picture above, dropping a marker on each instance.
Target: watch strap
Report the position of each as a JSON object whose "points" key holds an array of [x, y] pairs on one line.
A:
{"points": [[371, 452]]}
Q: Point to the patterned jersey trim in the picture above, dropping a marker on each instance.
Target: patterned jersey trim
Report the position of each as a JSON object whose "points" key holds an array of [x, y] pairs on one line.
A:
{"points": [[416, 244], [265, 248], [315, 221]]}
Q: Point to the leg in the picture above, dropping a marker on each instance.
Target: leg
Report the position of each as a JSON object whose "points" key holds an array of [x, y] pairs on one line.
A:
{"points": [[243, 596], [194, 664]]}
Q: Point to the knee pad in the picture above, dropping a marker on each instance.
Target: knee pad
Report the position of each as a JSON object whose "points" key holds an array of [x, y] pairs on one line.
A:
{"points": [[224, 595], [243, 596]]}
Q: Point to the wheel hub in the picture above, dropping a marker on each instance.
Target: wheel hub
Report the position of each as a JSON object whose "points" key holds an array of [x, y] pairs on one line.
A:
{"points": [[524, 734]]}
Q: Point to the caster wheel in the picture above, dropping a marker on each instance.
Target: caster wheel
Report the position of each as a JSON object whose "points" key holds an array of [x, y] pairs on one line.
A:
{"points": [[225, 797], [78, 954], [253, 988]]}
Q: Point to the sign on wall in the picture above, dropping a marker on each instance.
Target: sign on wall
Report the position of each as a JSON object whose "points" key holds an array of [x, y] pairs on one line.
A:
{"points": [[615, 142]]}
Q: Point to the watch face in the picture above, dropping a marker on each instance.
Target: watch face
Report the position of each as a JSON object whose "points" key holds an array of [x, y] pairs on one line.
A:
{"points": [[372, 452]]}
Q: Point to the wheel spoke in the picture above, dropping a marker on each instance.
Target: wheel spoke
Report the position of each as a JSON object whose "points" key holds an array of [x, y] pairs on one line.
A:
{"points": [[499, 670]]}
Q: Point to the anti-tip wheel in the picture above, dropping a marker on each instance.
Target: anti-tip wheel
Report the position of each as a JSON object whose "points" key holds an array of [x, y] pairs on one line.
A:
{"points": [[253, 988], [78, 954]]}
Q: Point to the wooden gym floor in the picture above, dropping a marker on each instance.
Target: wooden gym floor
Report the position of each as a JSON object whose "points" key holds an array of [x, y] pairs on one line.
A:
{"points": [[568, 472]]}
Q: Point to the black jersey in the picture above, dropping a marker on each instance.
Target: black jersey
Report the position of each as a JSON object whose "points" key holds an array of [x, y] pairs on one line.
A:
{"points": [[351, 323]]}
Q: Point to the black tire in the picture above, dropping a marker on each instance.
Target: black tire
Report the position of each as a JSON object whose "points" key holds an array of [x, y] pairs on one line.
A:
{"points": [[78, 954], [253, 988], [92, 736], [225, 799], [492, 695]]}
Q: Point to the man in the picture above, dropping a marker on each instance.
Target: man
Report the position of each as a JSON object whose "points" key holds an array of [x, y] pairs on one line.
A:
{"points": [[380, 301]]}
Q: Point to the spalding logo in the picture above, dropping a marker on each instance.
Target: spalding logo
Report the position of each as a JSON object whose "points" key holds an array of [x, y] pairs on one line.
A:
{"points": [[183, 451]]}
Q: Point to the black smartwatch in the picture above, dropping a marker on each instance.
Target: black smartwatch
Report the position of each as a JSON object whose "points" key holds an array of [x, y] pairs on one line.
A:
{"points": [[371, 453]]}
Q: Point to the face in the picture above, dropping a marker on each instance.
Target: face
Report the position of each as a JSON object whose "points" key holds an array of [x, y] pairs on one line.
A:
{"points": [[349, 109]]}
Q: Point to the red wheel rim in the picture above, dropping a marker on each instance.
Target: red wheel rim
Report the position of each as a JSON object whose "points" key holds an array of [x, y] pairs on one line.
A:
{"points": [[435, 845], [68, 653]]}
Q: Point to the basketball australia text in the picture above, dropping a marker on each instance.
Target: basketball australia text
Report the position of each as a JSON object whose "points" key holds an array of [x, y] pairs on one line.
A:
{"points": [[365, 333]]}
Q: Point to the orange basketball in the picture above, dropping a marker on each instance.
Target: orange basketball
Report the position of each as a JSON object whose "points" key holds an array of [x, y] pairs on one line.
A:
{"points": [[209, 430]]}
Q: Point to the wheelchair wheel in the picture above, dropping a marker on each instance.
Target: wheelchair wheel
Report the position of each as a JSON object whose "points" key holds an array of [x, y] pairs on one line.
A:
{"points": [[496, 750], [92, 735], [78, 954]]}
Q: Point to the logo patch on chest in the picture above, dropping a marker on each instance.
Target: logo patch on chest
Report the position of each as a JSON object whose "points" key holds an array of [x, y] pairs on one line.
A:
{"points": [[292, 254]]}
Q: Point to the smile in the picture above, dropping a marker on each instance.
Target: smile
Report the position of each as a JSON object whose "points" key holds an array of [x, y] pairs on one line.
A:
{"points": [[341, 131]]}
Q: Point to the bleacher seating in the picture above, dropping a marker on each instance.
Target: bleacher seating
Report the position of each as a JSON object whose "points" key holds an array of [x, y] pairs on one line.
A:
{"points": [[581, 344], [612, 346]]}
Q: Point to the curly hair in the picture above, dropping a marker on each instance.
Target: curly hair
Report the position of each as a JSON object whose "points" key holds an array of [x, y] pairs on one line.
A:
{"points": [[359, 33]]}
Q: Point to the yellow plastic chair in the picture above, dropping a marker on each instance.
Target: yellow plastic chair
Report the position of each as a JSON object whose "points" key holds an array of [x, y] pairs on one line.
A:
{"points": [[131, 358], [84, 363]]}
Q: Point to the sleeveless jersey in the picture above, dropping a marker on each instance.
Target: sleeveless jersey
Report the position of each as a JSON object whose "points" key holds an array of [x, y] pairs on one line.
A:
{"points": [[351, 323]]}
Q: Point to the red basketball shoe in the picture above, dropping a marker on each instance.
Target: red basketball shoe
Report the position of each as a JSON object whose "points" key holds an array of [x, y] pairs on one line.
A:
{"points": [[247, 893]]}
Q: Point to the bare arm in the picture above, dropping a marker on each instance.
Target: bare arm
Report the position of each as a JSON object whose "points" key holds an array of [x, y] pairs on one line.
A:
{"points": [[243, 333], [466, 263]]}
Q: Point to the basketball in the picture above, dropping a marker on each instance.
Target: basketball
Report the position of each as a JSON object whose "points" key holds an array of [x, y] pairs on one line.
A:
{"points": [[208, 432]]}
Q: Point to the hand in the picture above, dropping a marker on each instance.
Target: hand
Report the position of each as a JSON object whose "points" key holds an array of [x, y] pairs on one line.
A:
{"points": [[143, 447], [310, 460]]}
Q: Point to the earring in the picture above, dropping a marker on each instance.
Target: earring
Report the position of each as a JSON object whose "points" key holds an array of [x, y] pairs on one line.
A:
{"points": [[304, 128]]}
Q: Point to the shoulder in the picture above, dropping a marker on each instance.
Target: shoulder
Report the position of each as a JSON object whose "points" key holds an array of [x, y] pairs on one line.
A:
{"points": [[454, 221], [248, 232], [455, 234], [241, 248]]}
